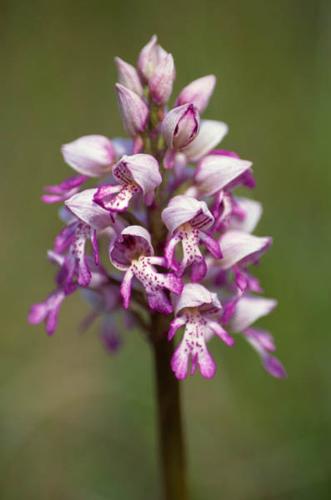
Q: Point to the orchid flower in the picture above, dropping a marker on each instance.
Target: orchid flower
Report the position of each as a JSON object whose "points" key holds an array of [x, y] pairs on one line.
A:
{"points": [[133, 253], [198, 310], [136, 174], [187, 220]]}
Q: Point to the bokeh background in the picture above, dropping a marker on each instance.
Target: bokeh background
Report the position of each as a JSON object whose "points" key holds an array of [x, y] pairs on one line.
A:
{"points": [[78, 424]]}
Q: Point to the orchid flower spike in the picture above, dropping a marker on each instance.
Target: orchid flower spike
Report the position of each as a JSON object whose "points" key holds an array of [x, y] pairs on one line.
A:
{"points": [[136, 174], [187, 220], [198, 310], [165, 187], [133, 253]]}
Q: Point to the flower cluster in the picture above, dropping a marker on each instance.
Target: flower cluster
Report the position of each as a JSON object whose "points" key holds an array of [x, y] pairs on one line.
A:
{"points": [[179, 239]]}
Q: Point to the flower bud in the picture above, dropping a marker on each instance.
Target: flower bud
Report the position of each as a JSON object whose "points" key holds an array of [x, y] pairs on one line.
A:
{"points": [[161, 82], [198, 92], [180, 126], [149, 58], [133, 109], [90, 155], [128, 76]]}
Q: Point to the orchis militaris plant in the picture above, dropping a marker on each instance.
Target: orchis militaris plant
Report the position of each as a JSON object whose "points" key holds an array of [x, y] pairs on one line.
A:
{"points": [[180, 243]]}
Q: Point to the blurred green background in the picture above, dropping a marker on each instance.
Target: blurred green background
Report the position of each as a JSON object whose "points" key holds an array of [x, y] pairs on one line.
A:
{"points": [[78, 424]]}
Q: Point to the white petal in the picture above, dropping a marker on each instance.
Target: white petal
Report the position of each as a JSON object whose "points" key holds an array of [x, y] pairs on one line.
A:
{"points": [[210, 134], [195, 295], [249, 310], [83, 207], [253, 213], [217, 171], [237, 245], [183, 208]]}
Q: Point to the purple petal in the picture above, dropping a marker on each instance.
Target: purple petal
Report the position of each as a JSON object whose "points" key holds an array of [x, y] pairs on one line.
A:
{"points": [[126, 288], [273, 366], [158, 301], [212, 246], [174, 326]]}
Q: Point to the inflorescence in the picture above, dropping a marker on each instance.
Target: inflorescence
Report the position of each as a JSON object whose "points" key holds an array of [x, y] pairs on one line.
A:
{"points": [[180, 242]]}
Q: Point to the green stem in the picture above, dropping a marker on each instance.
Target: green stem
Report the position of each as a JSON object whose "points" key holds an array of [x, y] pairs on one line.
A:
{"points": [[171, 438]]}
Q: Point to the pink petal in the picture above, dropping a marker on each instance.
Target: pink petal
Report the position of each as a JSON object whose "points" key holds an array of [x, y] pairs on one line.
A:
{"points": [[90, 155], [238, 246], [182, 209], [250, 309], [82, 205], [216, 172], [198, 92], [210, 134]]}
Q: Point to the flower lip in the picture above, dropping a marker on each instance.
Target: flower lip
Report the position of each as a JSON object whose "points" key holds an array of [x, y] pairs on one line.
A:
{"points": [[240, 247], [197, 296], [182, 209], [142, 169], [215, 172], [132, 243]]}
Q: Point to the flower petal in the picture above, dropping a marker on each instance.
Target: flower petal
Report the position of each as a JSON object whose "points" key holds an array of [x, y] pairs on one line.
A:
{"points": [[250, 309], [239, 247], [82, 205], [210, 134], [180, 126], [215, 172], [90, 155], [128, 76], [162, 79], [198, 92], [142, 169], [195, 295], [134, 110], [252, 212], [182, 209]]}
